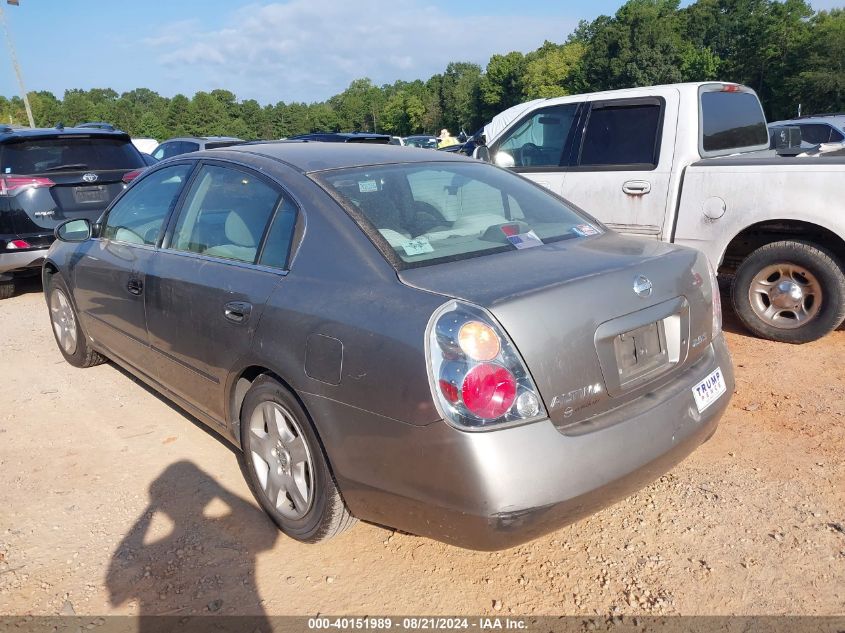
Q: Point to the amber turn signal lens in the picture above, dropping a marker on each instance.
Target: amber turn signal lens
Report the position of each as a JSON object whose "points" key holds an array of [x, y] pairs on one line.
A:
{"points": [[478, 341]]}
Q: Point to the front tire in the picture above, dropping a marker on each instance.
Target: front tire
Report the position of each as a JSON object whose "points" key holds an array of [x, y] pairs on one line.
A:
{"points": [[72, 342], [790, 291], [284, 465]]}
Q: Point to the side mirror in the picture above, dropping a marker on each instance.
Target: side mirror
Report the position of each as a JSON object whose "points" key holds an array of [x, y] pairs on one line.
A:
{"points": [[73, 231], [503, 159], [787, 140], [481, 153]]}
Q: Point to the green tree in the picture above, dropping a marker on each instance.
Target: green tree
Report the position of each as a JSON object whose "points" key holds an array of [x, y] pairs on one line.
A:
{"points": [[403, 114], [553, 70], [502, 83]]}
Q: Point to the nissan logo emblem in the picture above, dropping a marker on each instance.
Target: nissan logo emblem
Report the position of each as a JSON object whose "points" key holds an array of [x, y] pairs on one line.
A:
{"points": [[642, 286], [89, 177]]}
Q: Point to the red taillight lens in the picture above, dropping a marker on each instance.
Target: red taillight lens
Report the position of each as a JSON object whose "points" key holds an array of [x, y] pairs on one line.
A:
{"points": [[12, 185], [478, 378], [17, 244], [730, 88], [489, 391], [131, 175]]}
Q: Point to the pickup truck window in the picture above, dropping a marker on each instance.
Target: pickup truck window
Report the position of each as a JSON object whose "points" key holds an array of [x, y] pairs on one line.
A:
{"points": [[622, 135], [539, 140], [732, 120]]}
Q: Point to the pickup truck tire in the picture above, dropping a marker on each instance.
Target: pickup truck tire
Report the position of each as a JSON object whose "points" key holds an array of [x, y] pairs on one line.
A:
{"points": [[69, 335], [790, 291], [7, 289]]}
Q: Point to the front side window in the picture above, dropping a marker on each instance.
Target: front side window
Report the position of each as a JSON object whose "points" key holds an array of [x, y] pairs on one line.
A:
{"points": [[731, 121], [225, 214], [539, 140], [137, 217], [625, 134], [424, 213], [817, 133]]}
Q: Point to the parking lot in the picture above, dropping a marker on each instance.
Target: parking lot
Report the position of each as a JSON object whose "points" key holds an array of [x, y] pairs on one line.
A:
{"points": [[115, 501]]}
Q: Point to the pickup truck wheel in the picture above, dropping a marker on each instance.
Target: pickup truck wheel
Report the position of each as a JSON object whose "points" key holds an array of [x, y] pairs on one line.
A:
{"points": [[284, 465], [790, 291], [72, 342], [7, 289]]}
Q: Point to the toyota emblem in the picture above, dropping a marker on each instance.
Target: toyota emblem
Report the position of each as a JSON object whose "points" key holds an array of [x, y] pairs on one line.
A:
{"points": [[642, 286], [89, 177]]}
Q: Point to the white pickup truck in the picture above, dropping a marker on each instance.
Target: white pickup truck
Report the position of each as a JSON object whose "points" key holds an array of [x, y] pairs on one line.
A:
{"points": [[686, 163]]}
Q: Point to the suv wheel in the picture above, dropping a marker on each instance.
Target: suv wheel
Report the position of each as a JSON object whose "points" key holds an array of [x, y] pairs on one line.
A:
{"points": [[7, 289], [790, 291], [72, 342], [283, 463]]}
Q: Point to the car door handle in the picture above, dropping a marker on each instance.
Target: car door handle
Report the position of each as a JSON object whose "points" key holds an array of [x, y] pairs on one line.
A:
{"points": [[135, 286], [636, 187], [237, 311]]}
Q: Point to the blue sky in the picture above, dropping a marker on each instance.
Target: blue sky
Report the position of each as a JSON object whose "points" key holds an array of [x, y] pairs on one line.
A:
{"points": [[292, 50]]}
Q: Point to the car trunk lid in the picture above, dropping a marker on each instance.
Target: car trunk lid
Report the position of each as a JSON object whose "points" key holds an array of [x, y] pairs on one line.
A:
{"points": [[591, 342]]}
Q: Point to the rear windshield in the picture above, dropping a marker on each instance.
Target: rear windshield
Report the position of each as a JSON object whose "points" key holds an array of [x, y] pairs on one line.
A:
{"points": [[38, 156], [732, 120], [424, 213]]}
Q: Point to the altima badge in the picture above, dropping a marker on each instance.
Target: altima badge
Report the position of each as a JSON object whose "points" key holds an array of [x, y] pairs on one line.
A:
{"points": [[89, 177], [642, 286]]}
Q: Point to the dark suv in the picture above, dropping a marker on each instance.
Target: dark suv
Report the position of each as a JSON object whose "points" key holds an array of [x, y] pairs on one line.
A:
{"points": [[51, 175]]}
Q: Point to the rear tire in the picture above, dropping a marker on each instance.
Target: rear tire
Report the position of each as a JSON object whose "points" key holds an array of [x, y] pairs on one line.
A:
{"points": [[7, 289], [790, 291], [70, 338], [283, 462]]}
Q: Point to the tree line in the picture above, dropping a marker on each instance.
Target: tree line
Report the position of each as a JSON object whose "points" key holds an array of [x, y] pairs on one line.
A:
{"points": [[789, 53]]}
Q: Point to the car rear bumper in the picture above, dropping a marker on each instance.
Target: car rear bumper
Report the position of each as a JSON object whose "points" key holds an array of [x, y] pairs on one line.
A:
{"points": [[497, 489], [19, 260]]}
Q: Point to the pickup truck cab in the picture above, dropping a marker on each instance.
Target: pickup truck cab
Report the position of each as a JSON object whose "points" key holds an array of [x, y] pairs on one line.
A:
{"points": [[688, 163]]}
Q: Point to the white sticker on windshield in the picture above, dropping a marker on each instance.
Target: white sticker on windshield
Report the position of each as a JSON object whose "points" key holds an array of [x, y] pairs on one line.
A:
{"points": [[418, 246], [367, 186], [585, 230]]}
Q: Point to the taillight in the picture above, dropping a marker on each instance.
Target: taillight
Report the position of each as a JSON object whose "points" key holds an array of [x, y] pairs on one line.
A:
{"points": [[17, 244], [717, 299], [13, 185], [730, 88], [477, 376], [131, 175]]}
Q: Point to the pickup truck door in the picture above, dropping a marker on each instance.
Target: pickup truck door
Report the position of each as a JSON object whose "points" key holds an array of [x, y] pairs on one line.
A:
{"points": [[539, 145], [621, 162]]}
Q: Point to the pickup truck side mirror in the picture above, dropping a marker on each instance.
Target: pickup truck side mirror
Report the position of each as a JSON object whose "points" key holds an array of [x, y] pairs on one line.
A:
{"points": [[787, 140], [481, 153]]}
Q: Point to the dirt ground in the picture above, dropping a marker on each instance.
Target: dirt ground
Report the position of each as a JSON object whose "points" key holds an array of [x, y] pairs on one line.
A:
{"points": [[112, 501]]}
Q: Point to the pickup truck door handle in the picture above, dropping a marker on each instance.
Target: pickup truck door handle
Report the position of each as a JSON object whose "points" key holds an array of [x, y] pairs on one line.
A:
{"points": [[135, 286], [237, 311], [636, 187]]}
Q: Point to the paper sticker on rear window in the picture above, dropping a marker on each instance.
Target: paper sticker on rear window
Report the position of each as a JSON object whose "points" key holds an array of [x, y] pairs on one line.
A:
{"points": [[525, 240], [418, 246], [367, 186], [585, 230]]}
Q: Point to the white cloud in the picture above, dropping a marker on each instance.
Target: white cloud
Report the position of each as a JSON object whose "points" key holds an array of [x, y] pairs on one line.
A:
{"points": [[310, 49]]}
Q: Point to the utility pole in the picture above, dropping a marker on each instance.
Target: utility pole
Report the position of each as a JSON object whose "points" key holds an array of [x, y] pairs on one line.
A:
{"points": [[15, 62]]}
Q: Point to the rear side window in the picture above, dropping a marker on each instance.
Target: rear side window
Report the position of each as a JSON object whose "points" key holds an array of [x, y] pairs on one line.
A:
{"points": [[732, 121], [39, 156], [539, 140], [217, 145], [277, 244], [137, 217], [626, 134], [225, 214]]}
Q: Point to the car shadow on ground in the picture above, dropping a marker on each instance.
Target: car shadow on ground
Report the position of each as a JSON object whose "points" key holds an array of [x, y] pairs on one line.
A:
{"points": [[191, 552], [28, 285]]}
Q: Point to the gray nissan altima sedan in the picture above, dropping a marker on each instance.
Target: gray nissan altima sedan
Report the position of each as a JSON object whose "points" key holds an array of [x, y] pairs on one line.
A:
{"points": [[415, 339]]}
